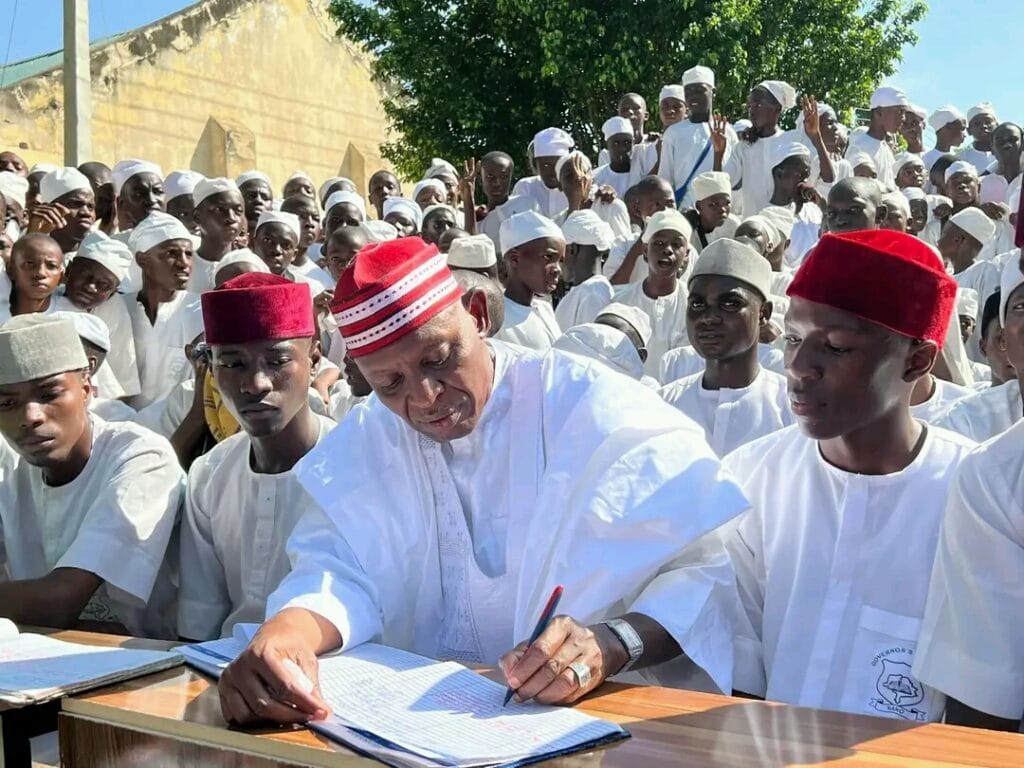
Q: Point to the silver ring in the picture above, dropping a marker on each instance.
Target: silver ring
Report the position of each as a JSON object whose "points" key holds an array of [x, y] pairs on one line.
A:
{"points": [[582, 672]]}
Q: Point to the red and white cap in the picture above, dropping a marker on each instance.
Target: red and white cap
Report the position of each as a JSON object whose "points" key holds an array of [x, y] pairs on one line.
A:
{"points": [[389, 290]]}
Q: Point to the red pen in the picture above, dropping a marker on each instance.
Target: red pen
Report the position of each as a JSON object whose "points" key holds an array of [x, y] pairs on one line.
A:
{"points": [[545, 618]]}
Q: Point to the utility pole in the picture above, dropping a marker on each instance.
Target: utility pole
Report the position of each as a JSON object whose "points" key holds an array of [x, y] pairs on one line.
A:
{"points": [[77, 83]]}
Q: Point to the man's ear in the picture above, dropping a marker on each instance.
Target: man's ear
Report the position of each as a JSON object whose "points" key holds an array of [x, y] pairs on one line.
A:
{"points": [[766, 313], [94, 364], [921, 358], [316, 353], [475, 302], [643, 354], [881, 214]]}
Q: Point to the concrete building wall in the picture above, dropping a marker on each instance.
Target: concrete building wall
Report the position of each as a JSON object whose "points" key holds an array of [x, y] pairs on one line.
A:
{"points": [[221, 87]]}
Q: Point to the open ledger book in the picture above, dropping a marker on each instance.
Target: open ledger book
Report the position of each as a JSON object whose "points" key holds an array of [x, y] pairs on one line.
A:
{"points": [[409, 711], [36, 668]]}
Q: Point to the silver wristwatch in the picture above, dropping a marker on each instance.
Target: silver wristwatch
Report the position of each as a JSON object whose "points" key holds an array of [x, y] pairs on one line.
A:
{"points": [[629, 638]]}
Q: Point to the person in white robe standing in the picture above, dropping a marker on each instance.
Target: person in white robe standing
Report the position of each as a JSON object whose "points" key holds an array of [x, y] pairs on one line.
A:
{"points": [[87, 508], [734, 400], [686, 147], [534, 248], [848, 503], [587, 242], [662, 294], [164, 316], [981, 124], [243, 500], [500, 463], [950, 127], [549, 146], [622, 170], [220, 214], [962, 240], [887, 107], [138, 191]]}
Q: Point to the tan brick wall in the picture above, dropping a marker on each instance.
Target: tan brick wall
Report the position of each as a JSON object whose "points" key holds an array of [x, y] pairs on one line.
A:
{"points": [[222, 87]]}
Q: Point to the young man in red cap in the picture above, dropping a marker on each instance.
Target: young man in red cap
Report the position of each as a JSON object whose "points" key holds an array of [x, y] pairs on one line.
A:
{"points": [[832, 562], [243, 500], [477, 476]]}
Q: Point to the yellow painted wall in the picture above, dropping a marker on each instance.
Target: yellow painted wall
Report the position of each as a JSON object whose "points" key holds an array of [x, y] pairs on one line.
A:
{"points": [[222, 87]]}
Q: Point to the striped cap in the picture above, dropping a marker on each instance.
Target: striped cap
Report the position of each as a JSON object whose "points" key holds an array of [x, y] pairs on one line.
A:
{"points": [[389, 290]]}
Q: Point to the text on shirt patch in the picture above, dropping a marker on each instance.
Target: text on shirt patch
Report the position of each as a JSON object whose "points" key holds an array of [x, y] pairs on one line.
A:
{"points": [[899, 691]]}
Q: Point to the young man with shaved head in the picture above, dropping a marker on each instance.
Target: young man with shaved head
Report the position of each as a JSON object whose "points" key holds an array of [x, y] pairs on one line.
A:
{"points": [[497, 480], [834, 558]]}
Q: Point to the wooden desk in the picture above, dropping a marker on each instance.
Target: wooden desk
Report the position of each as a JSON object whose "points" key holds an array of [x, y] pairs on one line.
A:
{"points": [[18, 725], [173, 719]]}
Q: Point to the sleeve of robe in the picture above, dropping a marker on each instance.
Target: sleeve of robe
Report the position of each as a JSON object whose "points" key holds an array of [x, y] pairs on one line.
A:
{"points": [[971, 645]]}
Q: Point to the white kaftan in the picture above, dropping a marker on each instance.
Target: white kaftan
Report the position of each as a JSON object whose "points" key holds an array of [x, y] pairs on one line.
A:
{"points": [[668, 320], [732, 417], [233, 536], [833, 571], [160, 346], [584, 302], [533, 327], [115, 520], [572, 476], [985, 414], [972, 642]]}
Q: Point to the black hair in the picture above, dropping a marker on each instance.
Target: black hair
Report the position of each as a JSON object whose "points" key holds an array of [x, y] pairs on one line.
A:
{"points": [[991, 312]]}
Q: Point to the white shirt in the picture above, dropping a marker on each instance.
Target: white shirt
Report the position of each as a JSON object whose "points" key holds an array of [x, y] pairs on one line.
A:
{"points": [[533, 327], [203, 275], [945, 394], [121, 357], [728, 229], [112, 410], [979, 159], [668, 320], [985, 414], [233, 537], [115, 520], [732, 417], [549, 202], [751, 166], [878, 150], [617, 256], [972, 642], [490, 225], [684, 361], [160, 346], [584, 302], [832, 569], [318, 279], [681, 147], [620, 182], [165, 415], [526, 501], [983, 277], [58, 303]]}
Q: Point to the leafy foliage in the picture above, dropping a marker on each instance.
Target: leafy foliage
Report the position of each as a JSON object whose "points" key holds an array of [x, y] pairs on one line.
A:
{"points": [[469, 76]]}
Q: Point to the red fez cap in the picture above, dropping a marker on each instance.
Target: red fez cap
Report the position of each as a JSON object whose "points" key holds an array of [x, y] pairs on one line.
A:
{"points": [[886, 277], [389, 290], [257, 306]]}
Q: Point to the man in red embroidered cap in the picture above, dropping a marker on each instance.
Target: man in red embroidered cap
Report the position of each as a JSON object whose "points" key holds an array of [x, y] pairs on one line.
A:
{"points": [[243, 500], [476, 478], [834, 558]]}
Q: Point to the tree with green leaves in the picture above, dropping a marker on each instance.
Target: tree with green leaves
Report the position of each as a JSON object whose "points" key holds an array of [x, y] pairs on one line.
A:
{"points": [[468, 76]]}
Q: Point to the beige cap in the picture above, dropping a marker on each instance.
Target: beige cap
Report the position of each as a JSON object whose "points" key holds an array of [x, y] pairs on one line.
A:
{"points": [[729, 258], [35, 346]]}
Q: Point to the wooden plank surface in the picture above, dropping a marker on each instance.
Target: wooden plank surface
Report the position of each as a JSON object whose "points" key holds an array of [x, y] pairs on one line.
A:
{"points": [[669, 727]]}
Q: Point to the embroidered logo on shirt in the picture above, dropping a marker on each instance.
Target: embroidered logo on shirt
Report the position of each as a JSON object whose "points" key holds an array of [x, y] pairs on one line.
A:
{"points": [[899, 691]]}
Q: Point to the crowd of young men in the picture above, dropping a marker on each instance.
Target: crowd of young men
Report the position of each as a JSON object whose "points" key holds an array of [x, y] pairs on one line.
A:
{"points": [[751, 395]]}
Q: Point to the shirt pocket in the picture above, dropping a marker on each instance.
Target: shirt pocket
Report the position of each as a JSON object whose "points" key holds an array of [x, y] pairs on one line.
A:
{"points": [[879, 678]]}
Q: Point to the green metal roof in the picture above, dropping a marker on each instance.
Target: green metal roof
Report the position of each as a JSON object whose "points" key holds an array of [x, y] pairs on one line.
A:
{"points": [[38, 65]]}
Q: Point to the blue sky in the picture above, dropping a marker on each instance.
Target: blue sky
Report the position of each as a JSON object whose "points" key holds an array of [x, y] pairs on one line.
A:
{"points": [[965, 54]]}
